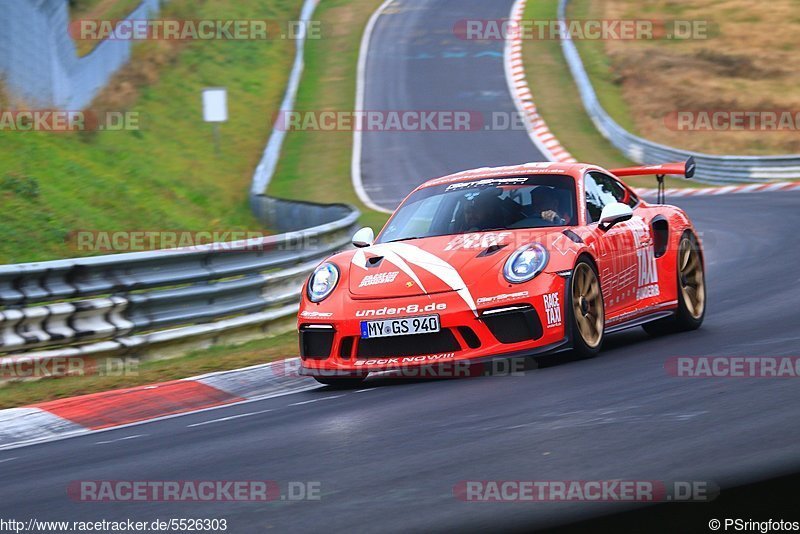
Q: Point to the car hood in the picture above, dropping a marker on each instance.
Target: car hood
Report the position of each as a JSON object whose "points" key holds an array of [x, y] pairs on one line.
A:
{"points": [[431, 265]]}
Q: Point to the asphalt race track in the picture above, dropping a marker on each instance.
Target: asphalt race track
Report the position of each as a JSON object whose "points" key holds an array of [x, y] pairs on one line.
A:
{"points": [[417, 62], [388, 456]]}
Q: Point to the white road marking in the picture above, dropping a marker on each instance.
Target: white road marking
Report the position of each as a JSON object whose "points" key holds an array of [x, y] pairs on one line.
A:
{"points": [[119, 439], [237, 416], [315, 400], [363, 390], [8, 459], [518, 87]]}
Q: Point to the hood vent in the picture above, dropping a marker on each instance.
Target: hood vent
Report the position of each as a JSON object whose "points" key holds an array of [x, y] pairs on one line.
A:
{"points": [[492, 249], [374, 261]]}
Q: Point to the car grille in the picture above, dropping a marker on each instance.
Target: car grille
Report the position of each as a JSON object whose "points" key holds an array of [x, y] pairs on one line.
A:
{"points": [[316, 343], [514, 326], [470, 337], [346, 347], [412, 345]]}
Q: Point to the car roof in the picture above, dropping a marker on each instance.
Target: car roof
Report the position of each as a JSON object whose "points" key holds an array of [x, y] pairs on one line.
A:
{"points": [[538, 167]]}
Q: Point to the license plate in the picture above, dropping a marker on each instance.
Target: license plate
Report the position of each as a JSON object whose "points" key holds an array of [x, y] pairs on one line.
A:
{"points": [[424, 324]]}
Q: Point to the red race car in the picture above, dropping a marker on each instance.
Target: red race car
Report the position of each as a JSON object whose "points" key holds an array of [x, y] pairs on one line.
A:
{"points": [[500, 262]]}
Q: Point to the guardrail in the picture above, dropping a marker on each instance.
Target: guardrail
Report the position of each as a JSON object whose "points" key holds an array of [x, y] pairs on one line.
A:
{"points": [[124, 304], [174, 299], [710, 168]]}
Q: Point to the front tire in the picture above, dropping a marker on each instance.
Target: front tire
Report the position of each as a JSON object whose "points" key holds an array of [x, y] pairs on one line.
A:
{"points": [[691, 291], [587, 313]]}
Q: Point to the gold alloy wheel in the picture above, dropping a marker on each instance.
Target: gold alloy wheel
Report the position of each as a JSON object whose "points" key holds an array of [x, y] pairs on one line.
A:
{"points": [[587, 304], [691, 278]]}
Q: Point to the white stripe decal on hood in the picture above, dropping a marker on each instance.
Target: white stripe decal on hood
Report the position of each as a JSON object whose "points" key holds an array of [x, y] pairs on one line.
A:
{"points": [[360, 259], [400, 253]]}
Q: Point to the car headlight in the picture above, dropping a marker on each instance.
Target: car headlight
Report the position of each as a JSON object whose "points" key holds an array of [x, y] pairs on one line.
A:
{"points": [[322, 282], [525, 263]]}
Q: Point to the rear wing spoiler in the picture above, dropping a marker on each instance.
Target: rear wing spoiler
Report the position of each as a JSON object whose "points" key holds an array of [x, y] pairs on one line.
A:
{"points": [[685, 169]]}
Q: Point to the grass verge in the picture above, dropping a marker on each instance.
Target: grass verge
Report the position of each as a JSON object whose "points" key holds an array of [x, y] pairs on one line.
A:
{"points": [[558, 101], [557, 97], [164, 175], [221, 358], [599, 68], [316, 164], [742, 57], [328, 83]]}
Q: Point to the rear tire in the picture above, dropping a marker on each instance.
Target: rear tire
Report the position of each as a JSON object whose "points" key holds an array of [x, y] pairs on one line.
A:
{"points": [[587, 311], [691, 291]]}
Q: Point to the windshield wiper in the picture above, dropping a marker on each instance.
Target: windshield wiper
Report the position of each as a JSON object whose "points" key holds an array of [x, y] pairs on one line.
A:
{"points": [[406, 238]]}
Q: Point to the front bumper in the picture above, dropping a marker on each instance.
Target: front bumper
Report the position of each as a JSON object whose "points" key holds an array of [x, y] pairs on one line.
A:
{"points": [[516, 320]]}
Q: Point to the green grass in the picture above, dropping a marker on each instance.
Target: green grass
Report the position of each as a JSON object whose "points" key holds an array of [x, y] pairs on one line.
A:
{"points": [[315, 165], [219, 358], [557, 97], [558, 101], [165, 175], [598, 66]]}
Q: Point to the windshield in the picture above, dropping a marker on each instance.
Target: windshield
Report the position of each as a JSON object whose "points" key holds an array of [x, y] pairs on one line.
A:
{"points": [[531, 201]]}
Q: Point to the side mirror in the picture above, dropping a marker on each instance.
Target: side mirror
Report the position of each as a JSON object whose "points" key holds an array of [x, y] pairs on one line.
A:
{"points": [[614, 213], [364, 237]]}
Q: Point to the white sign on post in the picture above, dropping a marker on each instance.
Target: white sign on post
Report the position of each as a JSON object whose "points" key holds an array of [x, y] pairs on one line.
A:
{"points": [[215, 104], [215, 110]]}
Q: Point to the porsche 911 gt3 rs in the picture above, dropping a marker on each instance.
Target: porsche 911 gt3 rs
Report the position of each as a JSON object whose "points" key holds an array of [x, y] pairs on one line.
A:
{"points": [[498, 262]]}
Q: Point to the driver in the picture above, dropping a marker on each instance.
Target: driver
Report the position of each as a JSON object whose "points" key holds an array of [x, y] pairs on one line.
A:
{"points": [[483, 213], [545, 206]]}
